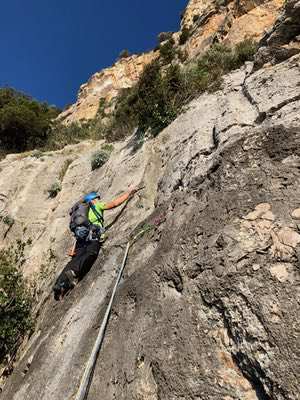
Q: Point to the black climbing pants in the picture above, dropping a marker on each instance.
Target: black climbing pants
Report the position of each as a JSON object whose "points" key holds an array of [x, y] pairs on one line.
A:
{"points": [[86, 254]]}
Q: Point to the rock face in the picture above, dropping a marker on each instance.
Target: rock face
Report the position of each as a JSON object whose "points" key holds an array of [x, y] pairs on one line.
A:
{"points": [[209, 302], [229, 22], [194, 9], [283, 40], [286, 30], [106, 84], [209, 22]]}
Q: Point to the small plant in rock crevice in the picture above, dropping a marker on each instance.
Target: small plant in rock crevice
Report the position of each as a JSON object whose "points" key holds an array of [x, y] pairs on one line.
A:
{"points": [[48, 267], [37, 154], [108, 148], [8, 220], [99, 158], [54, 189]]}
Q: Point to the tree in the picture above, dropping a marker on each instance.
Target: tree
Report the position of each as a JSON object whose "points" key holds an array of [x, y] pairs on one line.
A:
{"points": [[124, 54], [24, 122]]}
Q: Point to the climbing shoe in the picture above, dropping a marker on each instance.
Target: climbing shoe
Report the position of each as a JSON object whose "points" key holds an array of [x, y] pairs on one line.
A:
{"points": [[72, 280], [66, 282]]}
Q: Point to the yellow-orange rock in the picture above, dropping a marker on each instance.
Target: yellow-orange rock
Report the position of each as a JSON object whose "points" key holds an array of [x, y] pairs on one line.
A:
{"points": [[106, 84], [202, 38], [208, 21], [254, 23], [231, 24], [195, 8]]}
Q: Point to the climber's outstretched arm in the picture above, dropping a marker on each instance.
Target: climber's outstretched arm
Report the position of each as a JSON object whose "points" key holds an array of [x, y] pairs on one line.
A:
{"points": [[119, 200]]}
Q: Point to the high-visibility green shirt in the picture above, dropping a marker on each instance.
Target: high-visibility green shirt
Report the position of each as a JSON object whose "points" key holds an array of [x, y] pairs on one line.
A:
{"points": [[100, 209]]}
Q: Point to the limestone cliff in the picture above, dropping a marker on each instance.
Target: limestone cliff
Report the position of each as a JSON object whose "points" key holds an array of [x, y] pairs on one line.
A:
{"points": [[106, 84], [208, 22], [209, 303], [229, 22]]}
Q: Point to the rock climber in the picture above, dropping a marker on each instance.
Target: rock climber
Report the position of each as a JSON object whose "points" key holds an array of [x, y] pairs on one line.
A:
{"points": [[87, 225]]}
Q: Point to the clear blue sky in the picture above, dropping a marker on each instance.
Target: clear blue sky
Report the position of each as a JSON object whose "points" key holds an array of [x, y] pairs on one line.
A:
{"points": [[50, 47]]}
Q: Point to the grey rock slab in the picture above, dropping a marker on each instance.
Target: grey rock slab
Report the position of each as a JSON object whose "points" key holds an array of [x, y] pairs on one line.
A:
{"points": [[194, 317], [272, 88]]}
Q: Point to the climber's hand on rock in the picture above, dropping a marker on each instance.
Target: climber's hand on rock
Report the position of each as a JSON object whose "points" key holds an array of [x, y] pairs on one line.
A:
{"points": [[132, 192]]}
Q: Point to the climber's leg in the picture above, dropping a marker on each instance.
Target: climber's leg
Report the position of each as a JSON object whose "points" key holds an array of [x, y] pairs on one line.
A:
{"points": [[80, 264], [84, 263]]}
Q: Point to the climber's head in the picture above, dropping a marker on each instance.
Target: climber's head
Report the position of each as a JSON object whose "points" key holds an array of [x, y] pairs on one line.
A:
{"points": [[91, 196]]}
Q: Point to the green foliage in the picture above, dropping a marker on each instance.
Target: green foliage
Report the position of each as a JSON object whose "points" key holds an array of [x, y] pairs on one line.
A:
{"points": [[24, 122], [167, 51], [8, 220], [108, 148], [62, 135], [221, 3], [245, 50], [101, 108], [147, 227], [15, 302], [161, 93], [217, 61], [142, 230], [149, 104], [37, 154], [99, 158], [163, 36], [185, 34], [123, 119], [182, 55], [124, 54], [148, 107], [54, 189]]}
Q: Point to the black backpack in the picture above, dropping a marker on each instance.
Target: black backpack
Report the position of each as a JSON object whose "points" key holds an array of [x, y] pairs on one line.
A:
{"points": [[79, 216]]}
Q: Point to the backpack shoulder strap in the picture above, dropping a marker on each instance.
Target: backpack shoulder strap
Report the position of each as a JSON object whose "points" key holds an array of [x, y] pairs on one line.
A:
{"points": [[98, 216]]}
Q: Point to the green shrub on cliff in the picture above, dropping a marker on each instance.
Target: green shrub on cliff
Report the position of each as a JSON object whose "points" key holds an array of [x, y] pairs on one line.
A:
{"points": [[15, 303], [245, 50], [54, 189], [161, 92], [24, 122], [207, 73], [167, 51], [163, 36], [61, 135], [149, 105], [185, 34], [124, 54], [99, 158]]}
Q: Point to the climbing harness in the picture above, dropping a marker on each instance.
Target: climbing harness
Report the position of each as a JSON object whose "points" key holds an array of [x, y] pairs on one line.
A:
{"points": [[89, 369]]}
